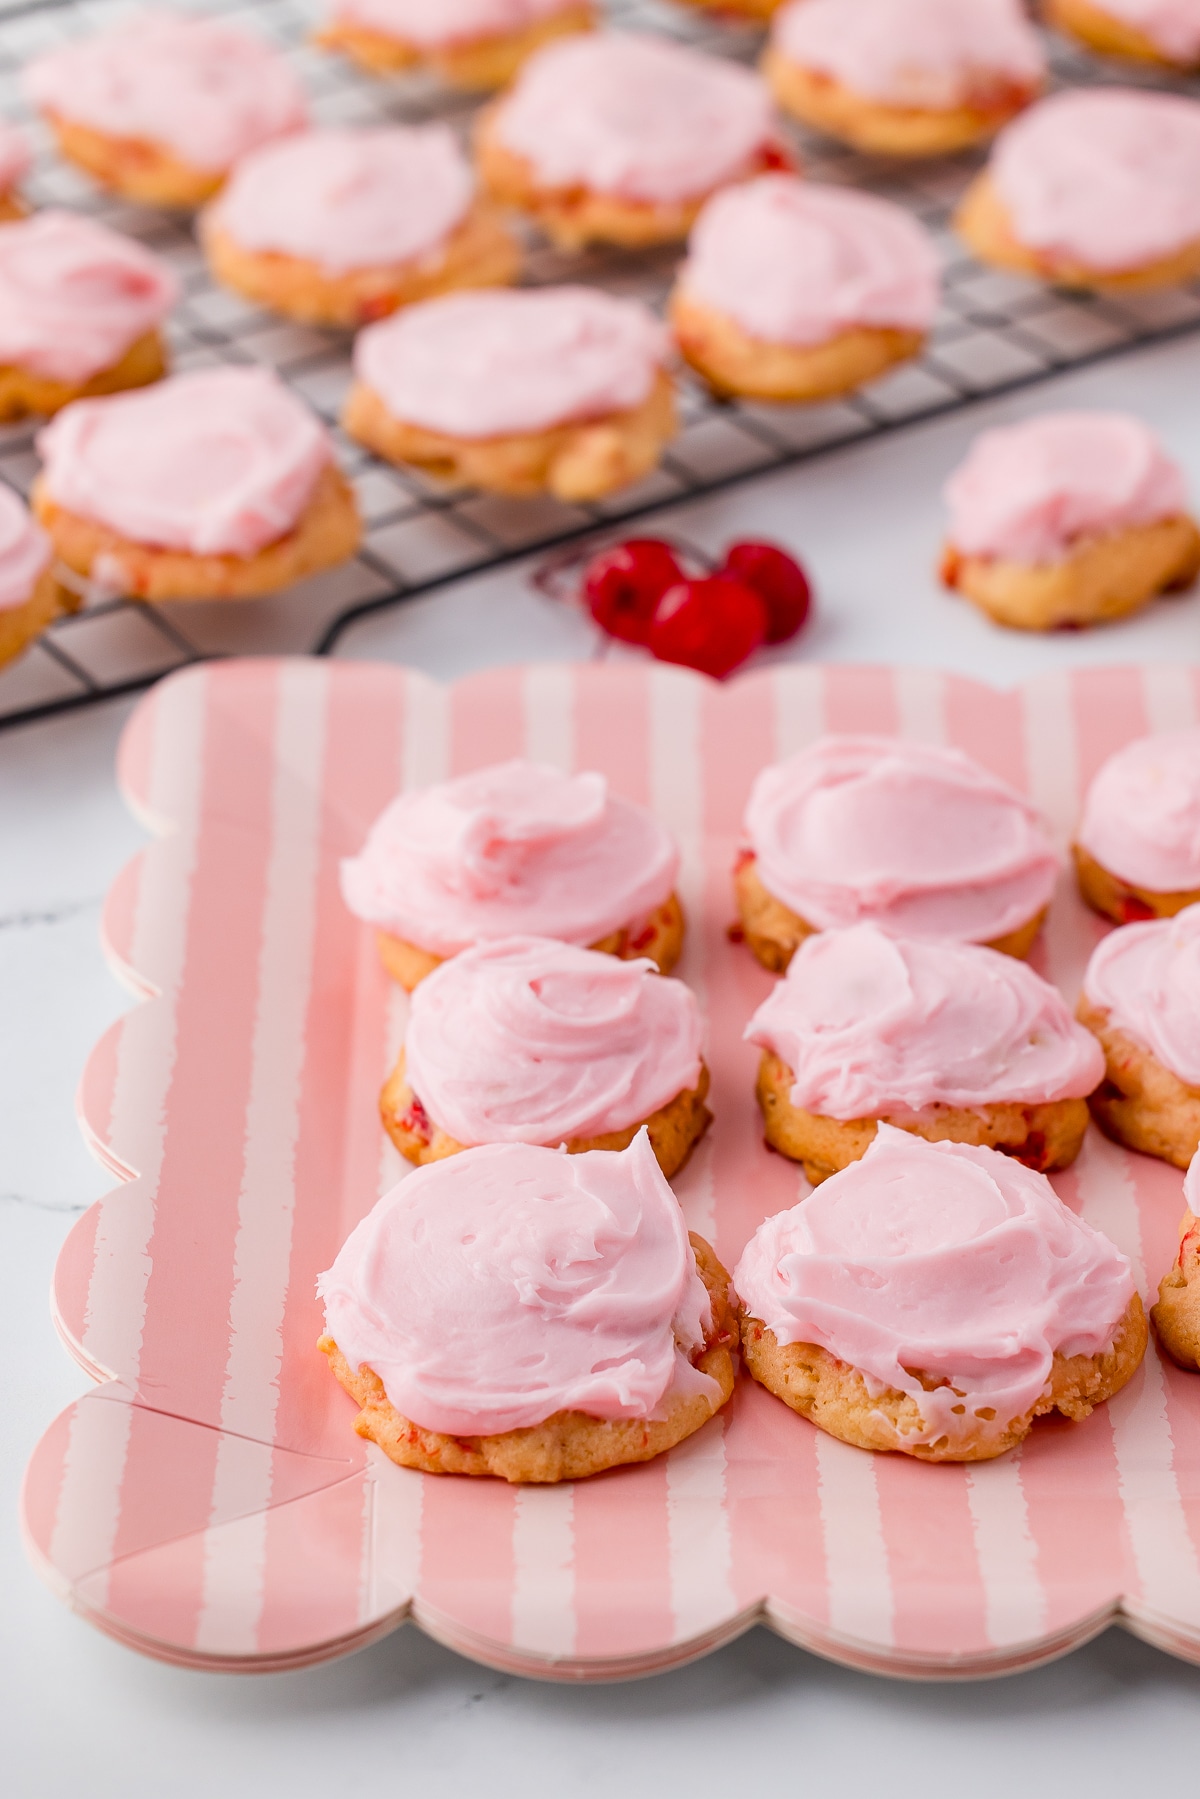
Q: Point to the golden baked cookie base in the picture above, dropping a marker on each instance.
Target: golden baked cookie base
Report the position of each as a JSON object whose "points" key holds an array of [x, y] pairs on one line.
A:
{"points": [[733, 362], [132, 166], [1177, 1315], [1114, 898], [23, 392], [481, 252], [1102, 578], [12, 207], [983, 223], [660, 939], [478, 66], [834, 1396], [674, 1129], [737, 9], [878, 129], [582, 460], [569, 1445], [1044, 1137], [19, 625], [773, 932], [1141, 1103], [1101, 31], [327, 532]]}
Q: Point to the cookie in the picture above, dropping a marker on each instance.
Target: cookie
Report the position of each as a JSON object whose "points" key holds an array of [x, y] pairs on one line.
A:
{"points": [[1137, 848], [1143, 31], [30, 595], [472, 44], [1176, 1317]]}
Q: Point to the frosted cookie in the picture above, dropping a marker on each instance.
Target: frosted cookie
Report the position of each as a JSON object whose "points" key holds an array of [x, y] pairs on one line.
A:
{"points": [[15, 160], [916, 839], [1071, 518], [523, 1313], [1176, 1317], [475, 44], [515, 850], [1137, 849], [80, 312], [947, 1040], [214, 485], [526, 1040], [620, 139], [1092, 188], [160, 106], [754, 10], [936, 1298], [1141, 997], [905, 77], [797, 292], [30, 597], [340, 227], [560, 390], [1164, 32]]}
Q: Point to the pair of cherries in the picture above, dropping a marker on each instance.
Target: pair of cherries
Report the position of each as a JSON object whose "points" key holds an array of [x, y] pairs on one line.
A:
{"points": [[639, 591]]}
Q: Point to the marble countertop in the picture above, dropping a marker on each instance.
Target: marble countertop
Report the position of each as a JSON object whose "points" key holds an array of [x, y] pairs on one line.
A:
{"points": [[79, 1714]]}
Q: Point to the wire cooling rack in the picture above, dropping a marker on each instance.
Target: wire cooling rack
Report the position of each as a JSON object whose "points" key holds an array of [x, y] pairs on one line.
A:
{"points": [[994, 333]]}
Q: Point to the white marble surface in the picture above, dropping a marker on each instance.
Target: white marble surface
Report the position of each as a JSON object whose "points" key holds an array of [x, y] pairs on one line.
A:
{"points": [[80, 1715]]}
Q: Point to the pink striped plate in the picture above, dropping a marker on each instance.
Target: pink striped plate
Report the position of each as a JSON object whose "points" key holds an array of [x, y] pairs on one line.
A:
{"points": [[208, 1501]]}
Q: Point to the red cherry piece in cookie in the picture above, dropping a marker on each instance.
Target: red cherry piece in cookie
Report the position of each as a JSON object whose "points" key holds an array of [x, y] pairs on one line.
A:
{"points": [[711, 624], [622, 586], [778, 579]]}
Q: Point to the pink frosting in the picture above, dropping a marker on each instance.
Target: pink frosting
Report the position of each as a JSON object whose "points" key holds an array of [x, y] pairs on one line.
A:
{"points": [[202, 88], [871, 1025], [1173, 26], [529, 1041], [1147, 977], [74, 296], [793, 263], [219, 462], [449, 22], [24, 550], [933, 54], [1104, 175], [506, 361], [15, 156], [350, 199], [1141, 817], [498, 1287], [917, 839], [517, 849], [639, 117], [1031, 492], [939, 1257]]}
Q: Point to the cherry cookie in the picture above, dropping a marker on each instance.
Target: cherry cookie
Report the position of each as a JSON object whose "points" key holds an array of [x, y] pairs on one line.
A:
{"points": [[1137, 848], [474, 44]]}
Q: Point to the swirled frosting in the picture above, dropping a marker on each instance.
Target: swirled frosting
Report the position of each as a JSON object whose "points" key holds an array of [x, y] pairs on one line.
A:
{"points": [[15, 156], [942, 1258], [218, 462], [349, 199], [496, 1288], [635, 116], [74, 296], [871, 1025], [1031, 492], [1106, 176], [450, 22], [24, 550], [794, 263], [931, 54], [1141, 817], [1172, 26], [530, 1041], [914, 838], [1147, 978], [507, 361], [514, 850], [206, 90]]}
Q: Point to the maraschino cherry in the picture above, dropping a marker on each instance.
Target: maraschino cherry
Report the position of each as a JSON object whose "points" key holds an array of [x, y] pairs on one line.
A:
{"points": [[778, 579], [622, 586], [712, 624]]}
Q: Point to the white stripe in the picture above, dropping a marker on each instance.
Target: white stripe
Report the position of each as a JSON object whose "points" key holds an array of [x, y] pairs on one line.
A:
{"points": [[425, 741], [393, 1543], [799, 694], [548, 692], [1170, 696], [89, 1507], [543, 1599], [698, 1533], [921, 703], [1014, 1599], [856, 1561], [1050, 754]]}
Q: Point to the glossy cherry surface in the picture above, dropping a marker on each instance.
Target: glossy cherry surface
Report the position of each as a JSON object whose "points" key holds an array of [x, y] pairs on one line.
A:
{"points": [[780, 581], [711, 624], [623, 585]]}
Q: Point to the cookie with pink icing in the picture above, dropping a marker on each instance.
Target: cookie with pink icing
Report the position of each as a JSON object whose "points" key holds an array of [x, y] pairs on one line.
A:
{"points": [[947, 1040], [1146, 31], [936, 1298], [1176, 1317], [562, 389], [1137, 848], [160, 106], [905, 77], [1093, 187], [527, 1040], [476, 44], [520, 1312], [15, 160], [1068, 518], [792, 291], [617, 138], [517, 849], [912, 837], [30, 596], [215, 484], [341, 226]]}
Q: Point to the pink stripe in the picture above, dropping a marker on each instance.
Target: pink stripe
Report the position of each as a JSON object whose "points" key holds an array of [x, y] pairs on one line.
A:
{"points": [[315, 1544], [1108, 709], [860, 699], [987, 725], [136, 749], [487, 720], [938, 1594], [612, 731], [467, 1554], [774, 1507], [622, 1590]]}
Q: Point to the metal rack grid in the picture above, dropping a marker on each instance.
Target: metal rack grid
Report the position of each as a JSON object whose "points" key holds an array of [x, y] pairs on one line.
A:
{"points": [[994, 333]]}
